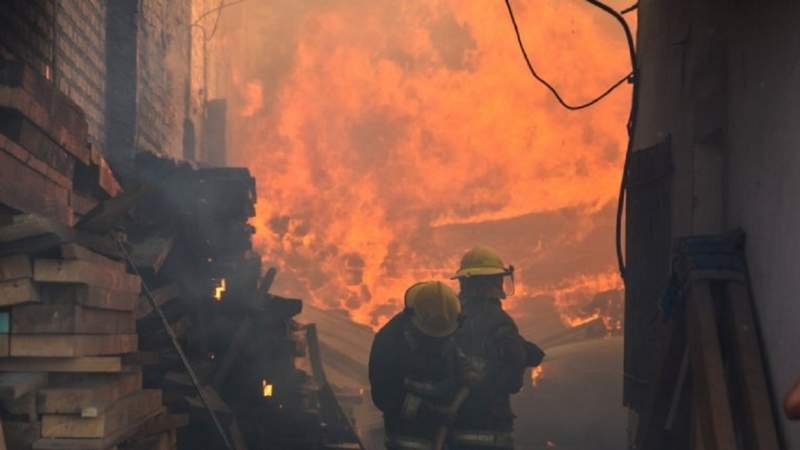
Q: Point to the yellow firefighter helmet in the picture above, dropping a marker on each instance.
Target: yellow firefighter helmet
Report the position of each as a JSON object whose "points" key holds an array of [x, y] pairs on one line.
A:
{"points": [[482, 260], [435, 308]]}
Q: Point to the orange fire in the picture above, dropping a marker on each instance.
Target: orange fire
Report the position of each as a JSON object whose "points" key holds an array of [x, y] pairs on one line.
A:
{"points": [[384, 150], [219, 291], [536, 375], [266, 388]]}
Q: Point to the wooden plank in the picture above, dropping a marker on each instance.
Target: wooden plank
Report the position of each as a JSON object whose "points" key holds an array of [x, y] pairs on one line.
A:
{"points": [[92, 443], [2, 437], [164, 422], [24, 189], [21, 435], [761, 432], [161, 295], [25, 226], [33, 139], [14, 267], [161, 441], [70, 319], [75, 251], [89, 296], [233, 352], [23, 406], [120, 416], [5, 345], [15, 385], [708, 370], [152, 252], [110, 213], [98, 394], [70, 346], [84, 272], [20, 100], [85, 364], [17, 292], [35, 227], [28, 158]]}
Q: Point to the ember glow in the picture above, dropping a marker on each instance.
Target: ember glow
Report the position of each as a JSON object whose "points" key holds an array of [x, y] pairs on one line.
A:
{"points": [[389, 137], [266, 388], [536, 375], [219, 291]]}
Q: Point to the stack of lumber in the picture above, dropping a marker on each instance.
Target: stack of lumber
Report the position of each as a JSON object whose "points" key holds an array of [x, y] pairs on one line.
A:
{"points": [[47, 165], [70, 373]]}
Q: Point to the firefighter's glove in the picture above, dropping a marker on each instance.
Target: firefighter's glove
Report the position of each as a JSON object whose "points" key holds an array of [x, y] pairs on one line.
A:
{"points": [[473, 370]]}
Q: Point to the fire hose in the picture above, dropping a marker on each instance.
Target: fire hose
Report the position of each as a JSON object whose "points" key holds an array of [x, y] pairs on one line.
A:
{"points": [[177, 346]]}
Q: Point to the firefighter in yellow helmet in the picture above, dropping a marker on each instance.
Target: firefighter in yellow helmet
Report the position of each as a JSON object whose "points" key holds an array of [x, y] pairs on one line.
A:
{"points": [[488, 333], [413, 366]]}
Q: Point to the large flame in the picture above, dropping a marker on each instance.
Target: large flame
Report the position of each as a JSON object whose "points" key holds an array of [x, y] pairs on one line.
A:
{"points": [[389, 137]]}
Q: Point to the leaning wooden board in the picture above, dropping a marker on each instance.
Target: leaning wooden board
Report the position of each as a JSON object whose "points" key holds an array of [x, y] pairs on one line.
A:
{"points": [[75, 345], [121, 415], [70, 319]]}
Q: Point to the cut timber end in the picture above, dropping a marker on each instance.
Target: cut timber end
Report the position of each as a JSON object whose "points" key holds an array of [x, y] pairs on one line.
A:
{"points": [[99, 394], [15, 267], [90, 296], [15, 385], [119, 416], [84, 272], [75, 251], [18, 292], [68, 365], [70, 319], [60, 345]]}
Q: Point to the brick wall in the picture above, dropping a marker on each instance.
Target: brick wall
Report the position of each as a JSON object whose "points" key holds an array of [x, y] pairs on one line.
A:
{"points": [[151, 39], [80, 65]]}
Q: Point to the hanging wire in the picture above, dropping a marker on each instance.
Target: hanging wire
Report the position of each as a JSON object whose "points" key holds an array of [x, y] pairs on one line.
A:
{"points": [[547, 84], [631, 125]]}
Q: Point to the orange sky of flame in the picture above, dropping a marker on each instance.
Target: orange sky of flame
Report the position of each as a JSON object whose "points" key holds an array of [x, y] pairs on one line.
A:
{"points": [[373, 125]]}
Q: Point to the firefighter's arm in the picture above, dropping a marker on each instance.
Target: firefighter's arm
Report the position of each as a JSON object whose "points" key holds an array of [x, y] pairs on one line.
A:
{"points": [[513, 358], [386, 377]]}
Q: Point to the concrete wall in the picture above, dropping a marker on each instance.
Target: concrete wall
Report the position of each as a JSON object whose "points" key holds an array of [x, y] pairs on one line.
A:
{"points": [[763, 176], [723, 80]]}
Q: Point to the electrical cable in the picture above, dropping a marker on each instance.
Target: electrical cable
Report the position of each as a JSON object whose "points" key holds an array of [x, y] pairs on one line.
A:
{"points": [[547, 84], [631, 125], [631, 8]]}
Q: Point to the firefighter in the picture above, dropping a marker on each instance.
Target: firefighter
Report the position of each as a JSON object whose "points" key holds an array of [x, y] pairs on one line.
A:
{"points": [[413, 366], [488, 333]]}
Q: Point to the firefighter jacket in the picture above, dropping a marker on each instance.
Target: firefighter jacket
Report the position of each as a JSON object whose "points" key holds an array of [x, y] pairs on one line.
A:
{"points": [[410, 375], [489, 333]]}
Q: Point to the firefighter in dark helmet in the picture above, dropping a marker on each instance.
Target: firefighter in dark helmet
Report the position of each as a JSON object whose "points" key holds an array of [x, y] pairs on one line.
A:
{"points": [[485, 420], [413, 366]]}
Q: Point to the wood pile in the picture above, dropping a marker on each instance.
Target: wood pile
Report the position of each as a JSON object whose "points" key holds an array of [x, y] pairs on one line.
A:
{"points": [[71, 371], [190, 236], [47, 166], [85, 359]]}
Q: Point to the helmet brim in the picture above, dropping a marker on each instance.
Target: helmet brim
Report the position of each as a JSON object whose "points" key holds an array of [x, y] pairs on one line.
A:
{"points": [[479, 271]]}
